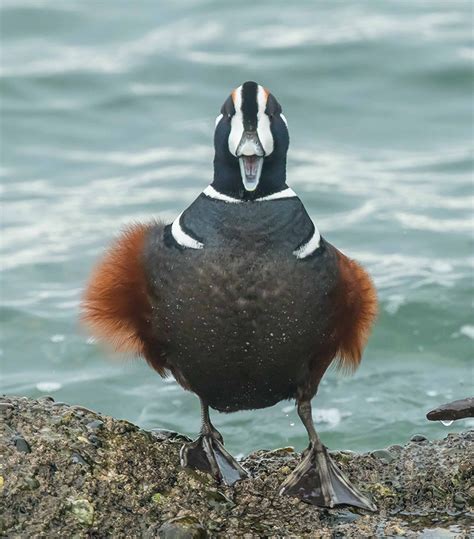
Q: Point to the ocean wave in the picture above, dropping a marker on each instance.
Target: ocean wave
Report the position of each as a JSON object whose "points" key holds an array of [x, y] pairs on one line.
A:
{"points": [[176, 37], [351, 25]]}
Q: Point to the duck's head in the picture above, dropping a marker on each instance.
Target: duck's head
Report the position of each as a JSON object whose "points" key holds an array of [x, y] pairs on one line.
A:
{"points": [[251, 142]]}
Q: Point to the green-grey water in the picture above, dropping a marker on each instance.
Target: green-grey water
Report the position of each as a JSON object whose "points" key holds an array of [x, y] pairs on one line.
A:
{"points": [[107, 115]]}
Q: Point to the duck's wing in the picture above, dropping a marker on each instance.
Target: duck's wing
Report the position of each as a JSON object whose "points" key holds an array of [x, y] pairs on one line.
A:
{"points": [[116, 308]]}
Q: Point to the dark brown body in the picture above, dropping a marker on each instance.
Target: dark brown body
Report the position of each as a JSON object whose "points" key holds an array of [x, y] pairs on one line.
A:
{"points": [[241, 327], [242, 331]]}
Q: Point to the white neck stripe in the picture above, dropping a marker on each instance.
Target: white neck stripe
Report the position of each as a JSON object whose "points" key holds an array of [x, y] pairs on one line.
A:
{"points": [[286, 193], [210, 192], [180, 236], [213, 193], [310, 246]]}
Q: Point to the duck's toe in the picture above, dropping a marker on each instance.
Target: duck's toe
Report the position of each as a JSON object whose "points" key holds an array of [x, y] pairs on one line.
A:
{"points": [[317, 480], [208, 454]]}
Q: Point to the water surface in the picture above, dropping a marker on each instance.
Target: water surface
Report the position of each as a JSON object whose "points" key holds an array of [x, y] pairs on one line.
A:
{"points": [[107, 118]]}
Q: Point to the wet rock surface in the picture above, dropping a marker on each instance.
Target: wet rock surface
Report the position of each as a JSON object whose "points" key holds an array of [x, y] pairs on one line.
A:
{"points": [[77, 473]]}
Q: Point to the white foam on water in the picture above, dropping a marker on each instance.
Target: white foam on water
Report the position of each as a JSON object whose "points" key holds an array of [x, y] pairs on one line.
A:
{"points": [[331, 416], [467, 331], [351, 25], [466, 53], [394, 302], [48, 386], [372, 399]]}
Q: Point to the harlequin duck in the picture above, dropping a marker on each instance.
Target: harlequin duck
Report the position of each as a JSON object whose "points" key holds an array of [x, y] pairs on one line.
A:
{"points": [[240, 298]]}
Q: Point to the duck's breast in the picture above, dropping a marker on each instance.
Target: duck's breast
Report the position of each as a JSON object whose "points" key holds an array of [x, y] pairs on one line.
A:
{"points": [[241, 324]]}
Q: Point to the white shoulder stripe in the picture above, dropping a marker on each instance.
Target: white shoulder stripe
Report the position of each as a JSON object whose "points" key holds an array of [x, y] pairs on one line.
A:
{"points": [[180, 236], [310, 246], [286, 193], [213, 193]]}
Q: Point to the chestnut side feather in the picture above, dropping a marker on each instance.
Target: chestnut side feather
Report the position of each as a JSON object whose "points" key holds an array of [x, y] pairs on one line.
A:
{"points": [[356, 312], [115, 306]]}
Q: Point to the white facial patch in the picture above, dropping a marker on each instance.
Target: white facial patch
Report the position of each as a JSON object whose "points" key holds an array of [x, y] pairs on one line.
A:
{"points": [[236, 123], [263, 122], [218, 119]]}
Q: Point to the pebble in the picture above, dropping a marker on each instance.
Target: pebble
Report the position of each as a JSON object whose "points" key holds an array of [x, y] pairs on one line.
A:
{"points": [[82, 409], [395, 448], [345, 517], [83, 511], [216, 498], [384, 455], [46, 398], [122, 427], [78, 459], [418, 438], [32, 482], [21, 444], [95, 425], [163, 434], [182, 528], [94, 440], [4, 406]]}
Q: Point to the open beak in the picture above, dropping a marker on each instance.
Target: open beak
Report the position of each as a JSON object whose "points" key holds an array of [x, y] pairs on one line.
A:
{"points": [[251, 155]]}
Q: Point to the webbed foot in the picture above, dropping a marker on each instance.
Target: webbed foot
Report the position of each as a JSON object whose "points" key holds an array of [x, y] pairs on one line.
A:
{"points": [[208, 454], [318, 480]]}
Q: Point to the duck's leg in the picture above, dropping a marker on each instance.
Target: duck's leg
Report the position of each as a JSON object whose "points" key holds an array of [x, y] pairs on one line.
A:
{"points": [[317, 479], [208, 454]]}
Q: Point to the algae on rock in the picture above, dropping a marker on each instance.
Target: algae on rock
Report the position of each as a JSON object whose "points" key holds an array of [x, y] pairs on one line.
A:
{"points": [[88, 475]]}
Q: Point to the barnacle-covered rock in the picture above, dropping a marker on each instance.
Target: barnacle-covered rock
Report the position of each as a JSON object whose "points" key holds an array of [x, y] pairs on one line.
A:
{"points": [[88, 475]]}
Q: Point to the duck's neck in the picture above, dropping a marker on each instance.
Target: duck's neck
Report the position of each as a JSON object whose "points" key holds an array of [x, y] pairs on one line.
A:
{"points": [[228, 181]]}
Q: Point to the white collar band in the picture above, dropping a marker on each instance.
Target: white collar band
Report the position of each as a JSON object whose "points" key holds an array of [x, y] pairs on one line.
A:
{"points": [[217, 195], [285, 193], [213, 193]]}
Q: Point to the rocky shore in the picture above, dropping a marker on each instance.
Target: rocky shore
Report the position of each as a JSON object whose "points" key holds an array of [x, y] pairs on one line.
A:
{"points": [[66, 471]]}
